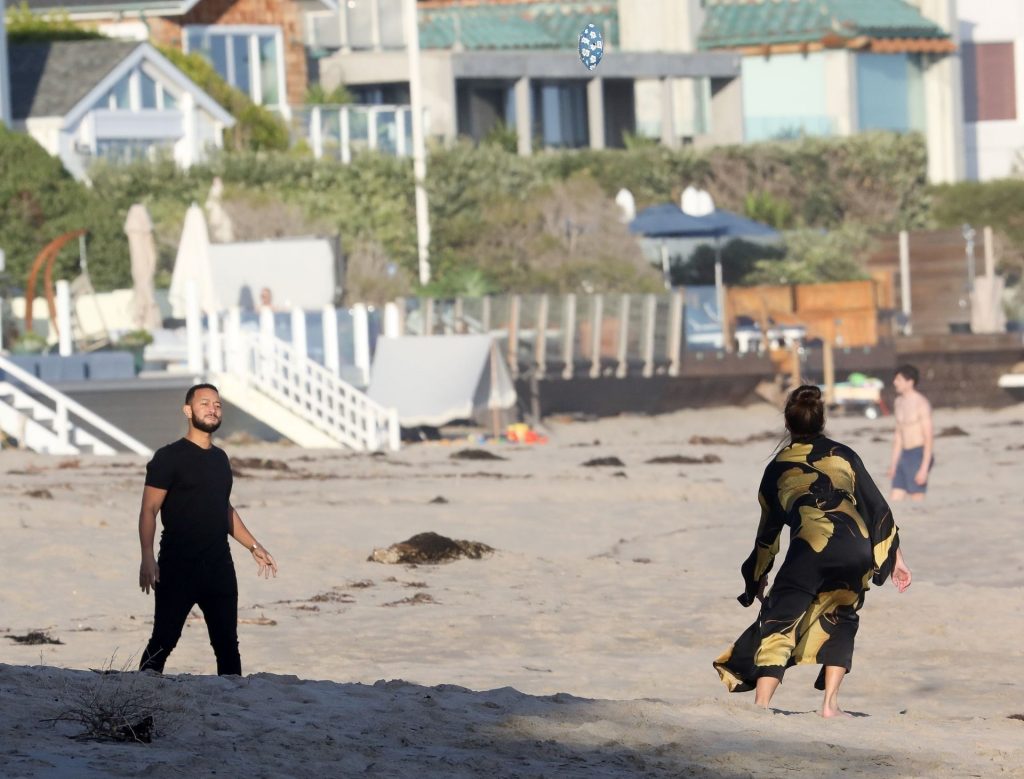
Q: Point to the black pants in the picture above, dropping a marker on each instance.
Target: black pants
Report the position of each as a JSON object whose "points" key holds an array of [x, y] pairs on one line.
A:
{"points": [[209, 583]]}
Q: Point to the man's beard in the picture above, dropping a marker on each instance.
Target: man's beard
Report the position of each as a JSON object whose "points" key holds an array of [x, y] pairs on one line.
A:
{"points": [[206, 427]]}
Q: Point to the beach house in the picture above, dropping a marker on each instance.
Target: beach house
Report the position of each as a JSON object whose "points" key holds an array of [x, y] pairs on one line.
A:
{"points": [[992, 52], [257, 46], [110, 100], [820, 67], [514, 66]]}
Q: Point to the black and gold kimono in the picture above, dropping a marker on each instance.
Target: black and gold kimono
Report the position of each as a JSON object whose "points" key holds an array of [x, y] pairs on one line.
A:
{"points": [[842, 538]]}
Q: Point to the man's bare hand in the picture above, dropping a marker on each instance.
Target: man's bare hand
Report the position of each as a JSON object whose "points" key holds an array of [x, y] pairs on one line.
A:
{"points": [[265, 563], [149, 573]]}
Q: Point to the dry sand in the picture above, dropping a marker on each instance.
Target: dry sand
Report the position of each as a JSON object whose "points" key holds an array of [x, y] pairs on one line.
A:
{"points": [[582, 648]]}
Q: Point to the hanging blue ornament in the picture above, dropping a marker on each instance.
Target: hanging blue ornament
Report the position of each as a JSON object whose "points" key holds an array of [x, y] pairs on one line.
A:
{"points": [[591, 46]]}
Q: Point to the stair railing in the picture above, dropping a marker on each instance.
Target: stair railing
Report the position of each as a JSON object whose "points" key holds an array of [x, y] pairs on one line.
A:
{"points": [[64, 407], [314, 393]]}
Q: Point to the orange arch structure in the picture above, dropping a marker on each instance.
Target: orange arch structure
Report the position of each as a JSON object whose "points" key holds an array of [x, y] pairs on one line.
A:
{"points": [[46, 257]]}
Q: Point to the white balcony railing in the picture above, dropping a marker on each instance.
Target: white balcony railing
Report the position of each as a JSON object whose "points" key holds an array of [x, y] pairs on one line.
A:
{"points": [[339, 132]]}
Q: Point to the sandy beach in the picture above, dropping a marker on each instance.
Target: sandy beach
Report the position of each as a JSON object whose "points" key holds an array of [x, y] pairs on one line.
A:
{"points": [[581, 648]]}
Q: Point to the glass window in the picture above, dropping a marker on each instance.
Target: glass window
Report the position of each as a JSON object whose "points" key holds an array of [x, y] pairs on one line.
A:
{"points": [[240, 63], [268, 70], [147, 90], [170, 101], [130, 149], [231, 53], [392, 33], [119, 98], [359, 24], [990, 85], [198, 43], [217, 53], [883, 91]]}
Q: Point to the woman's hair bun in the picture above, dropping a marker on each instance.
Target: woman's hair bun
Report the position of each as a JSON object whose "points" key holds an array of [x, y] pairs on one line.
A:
{"points": [[805, 411], [807, 393]]}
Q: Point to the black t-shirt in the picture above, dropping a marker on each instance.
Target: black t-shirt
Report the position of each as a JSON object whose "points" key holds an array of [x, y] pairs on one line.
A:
{"points": [[195, 513]]}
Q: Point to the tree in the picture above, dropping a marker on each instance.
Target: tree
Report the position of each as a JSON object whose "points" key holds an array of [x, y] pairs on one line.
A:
{"points": [[40, 201]]}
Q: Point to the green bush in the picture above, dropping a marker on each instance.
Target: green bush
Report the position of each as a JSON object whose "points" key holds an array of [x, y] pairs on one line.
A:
{"points": [[40, 201], [24, 26]]}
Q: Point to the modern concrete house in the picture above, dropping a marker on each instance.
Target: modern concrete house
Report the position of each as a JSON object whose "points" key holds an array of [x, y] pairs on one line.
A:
{"points": [[112, 100], [822, 67], [496, 64], [992, 53]]}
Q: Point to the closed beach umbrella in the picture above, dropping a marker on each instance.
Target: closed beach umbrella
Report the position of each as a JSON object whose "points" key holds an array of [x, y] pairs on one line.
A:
{"points": [[193, 264], [142, 251]]}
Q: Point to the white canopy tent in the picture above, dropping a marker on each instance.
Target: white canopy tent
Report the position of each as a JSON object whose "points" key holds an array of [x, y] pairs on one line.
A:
{"points": [[433, 380]]}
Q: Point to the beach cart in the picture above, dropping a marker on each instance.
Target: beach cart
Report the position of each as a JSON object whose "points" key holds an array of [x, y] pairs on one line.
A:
{"points": [[859, 394]]}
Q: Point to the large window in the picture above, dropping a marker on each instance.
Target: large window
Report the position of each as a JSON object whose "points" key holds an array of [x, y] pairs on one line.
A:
{"points": [[990, 83], [890, 92], [138, 91], [248, 58], [132, 149]]}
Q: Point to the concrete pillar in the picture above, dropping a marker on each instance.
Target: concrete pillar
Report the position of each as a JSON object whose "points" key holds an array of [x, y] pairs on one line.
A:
{"points": [[841, 95], [944, 99], [64, 341], [193, 329], [622, 357], [392, 321], [524, 117], [669, 137], [569, 335], [361, 339], [596, 325], [595, 112], [332, 356]]}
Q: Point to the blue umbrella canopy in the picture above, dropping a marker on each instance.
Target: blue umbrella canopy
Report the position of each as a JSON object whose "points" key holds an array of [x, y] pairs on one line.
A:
{"points": [[669, 221]]}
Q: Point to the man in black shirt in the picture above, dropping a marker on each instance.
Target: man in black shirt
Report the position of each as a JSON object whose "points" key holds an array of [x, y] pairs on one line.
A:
{"points": [[189, 484]]}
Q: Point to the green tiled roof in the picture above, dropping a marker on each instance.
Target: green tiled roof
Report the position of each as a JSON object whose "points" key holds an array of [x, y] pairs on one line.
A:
{"points": [[555, 25], [733, 23]]}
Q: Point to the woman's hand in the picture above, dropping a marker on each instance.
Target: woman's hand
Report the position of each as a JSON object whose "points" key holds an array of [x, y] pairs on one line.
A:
{"points": [[901, 576], [761, 585]]}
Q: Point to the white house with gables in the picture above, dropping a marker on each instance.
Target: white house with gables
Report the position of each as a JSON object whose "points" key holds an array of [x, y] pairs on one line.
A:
{"points": [[112, 100]]}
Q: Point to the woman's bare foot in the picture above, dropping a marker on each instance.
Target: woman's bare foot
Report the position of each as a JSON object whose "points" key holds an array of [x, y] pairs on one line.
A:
{"points": [[828, 712]]}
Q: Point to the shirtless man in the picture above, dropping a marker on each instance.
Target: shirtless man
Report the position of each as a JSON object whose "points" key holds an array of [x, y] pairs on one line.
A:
{"points": [[912, 445]]}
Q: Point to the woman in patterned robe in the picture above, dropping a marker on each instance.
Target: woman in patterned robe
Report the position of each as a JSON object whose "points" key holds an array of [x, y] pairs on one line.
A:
{"points": [[842, 538]]}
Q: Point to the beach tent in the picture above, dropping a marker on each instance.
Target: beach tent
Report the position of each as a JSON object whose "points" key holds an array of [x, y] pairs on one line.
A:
{"points": [[436, 379]]}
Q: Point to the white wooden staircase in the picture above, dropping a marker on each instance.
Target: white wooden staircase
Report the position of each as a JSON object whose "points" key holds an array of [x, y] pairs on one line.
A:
{"points": [[45, 420], [301, 399]]}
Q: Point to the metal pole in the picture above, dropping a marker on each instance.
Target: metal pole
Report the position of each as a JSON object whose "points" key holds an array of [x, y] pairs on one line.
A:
{"points": [[720, 297], [419, 155], [969, 234], [905, 279]]}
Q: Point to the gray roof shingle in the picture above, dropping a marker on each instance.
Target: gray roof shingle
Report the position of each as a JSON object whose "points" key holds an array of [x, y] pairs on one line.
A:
{"points": [[49, 79]]}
